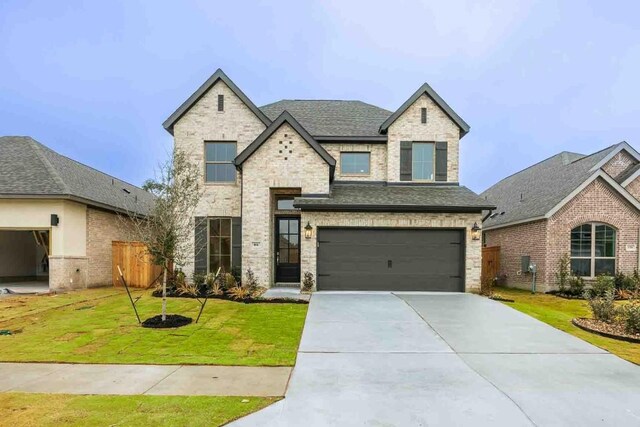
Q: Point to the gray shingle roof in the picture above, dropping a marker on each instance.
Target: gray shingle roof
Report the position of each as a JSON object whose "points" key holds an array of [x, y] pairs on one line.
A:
{"points": [[403, 198], [534, 191], [28, 168], [332, 118]]}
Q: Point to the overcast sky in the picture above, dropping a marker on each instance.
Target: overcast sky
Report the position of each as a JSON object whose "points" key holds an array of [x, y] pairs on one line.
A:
{"points": [[94, 80]]}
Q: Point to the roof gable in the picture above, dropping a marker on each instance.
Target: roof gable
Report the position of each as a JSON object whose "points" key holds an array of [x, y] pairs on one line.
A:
{"points": [[285, 117], [426, 89], [211, 81]]}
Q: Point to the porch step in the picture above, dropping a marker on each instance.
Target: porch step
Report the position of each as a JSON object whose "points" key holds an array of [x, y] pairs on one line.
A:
{"points": [[286, 285]]}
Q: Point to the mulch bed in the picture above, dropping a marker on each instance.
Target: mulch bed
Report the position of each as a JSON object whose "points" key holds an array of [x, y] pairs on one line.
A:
{"points": [[173, 294], [609, 330], [172, 321]]}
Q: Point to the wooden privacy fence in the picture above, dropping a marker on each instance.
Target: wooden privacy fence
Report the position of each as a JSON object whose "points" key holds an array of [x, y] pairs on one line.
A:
{"points": [[490, 262], [135, 262]]}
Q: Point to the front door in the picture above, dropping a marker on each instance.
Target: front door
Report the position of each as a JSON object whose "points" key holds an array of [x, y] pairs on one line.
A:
{"points": [[287, 249]]}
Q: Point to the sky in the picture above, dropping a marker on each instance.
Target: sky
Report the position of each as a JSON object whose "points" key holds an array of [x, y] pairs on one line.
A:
{"points": [[94, 80]]}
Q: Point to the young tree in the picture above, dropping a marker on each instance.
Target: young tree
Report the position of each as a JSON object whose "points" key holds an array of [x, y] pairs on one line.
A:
{"points": [[167, 230]]}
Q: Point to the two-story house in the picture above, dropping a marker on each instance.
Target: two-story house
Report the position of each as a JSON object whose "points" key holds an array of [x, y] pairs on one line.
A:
{"points": [[361, 197]]}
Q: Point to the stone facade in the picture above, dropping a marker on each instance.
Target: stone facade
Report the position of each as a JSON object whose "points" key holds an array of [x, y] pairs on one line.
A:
{"points": [[619, 163], [284, 161], [547, 240], [68, 272], [408, 127], [377, 159], [102, 229], [473, 260]]}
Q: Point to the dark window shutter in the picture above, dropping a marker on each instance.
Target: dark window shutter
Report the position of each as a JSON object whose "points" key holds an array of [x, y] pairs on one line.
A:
{"points": [[423, 115], [441, 161], [220, 102], [405, 161], [236, 245], [200, 247]]}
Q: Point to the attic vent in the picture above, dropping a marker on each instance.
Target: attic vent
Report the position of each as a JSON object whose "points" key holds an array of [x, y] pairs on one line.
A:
{"points": [[126, 191], [423, 115], [220, 102]]}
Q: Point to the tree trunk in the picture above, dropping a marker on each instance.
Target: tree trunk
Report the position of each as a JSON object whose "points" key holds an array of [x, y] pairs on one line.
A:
{"points": [[164, 292]]}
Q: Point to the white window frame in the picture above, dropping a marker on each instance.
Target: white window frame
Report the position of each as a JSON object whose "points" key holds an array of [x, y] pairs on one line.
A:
{"points": [[211, 162], [368, 153], [592, 257]]}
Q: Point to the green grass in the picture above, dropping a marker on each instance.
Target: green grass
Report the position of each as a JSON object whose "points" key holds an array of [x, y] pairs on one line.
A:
{"points": [[99, 326], [25, 409], [558, 313]]}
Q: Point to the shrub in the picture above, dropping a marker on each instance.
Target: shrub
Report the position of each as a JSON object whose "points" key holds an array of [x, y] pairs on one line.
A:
{"points": [[212, 285], [576, 286], [602, 307], [486, 286], [630, 316], [250, 281], [230, 281], [308, 282], [198, 278], [238, 292], [564, 273], [602, 285], [623, 282]]}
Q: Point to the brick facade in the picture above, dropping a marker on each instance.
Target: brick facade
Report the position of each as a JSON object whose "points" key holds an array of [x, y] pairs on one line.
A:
{"points": [[619, 163], [548, 240], [377, 159], [102, 229], [634, 188], [408, 127]]}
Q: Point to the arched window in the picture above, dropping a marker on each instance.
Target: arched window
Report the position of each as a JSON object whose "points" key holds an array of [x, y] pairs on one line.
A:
{"points": [[593, 250]]}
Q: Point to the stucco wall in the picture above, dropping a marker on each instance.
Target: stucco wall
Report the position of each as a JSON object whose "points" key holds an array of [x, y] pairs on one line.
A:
{"points": [[406, 220], [285, 160], [518, 241], [377, 159], [408, 127]]}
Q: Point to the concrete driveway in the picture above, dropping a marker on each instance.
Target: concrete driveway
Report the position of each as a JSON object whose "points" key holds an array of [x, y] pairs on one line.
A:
{"points": [[383, 359]]}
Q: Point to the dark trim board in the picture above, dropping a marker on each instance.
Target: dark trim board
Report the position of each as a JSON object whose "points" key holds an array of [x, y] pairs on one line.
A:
{"points": [[391, 259], [389, 208]]}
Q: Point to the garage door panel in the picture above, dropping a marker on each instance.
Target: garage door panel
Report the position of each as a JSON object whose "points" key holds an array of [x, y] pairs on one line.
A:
{"points": [[388, 259]]}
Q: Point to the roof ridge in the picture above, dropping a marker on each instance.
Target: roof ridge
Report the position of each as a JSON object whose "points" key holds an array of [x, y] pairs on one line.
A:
{"points": [[586, 156], [37, 148]]}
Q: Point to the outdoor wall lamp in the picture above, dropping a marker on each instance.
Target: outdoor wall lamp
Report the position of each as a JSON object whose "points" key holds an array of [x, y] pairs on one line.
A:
{"points": [[308, 231], [475, 231]]}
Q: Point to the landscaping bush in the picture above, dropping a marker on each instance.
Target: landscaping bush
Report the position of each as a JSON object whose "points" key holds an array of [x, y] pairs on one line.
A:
{"points": [[602, 285], [250, 281], [486, 286], [623, 282], [630, 317], [563, 274], [602, 307], [576, 286]]}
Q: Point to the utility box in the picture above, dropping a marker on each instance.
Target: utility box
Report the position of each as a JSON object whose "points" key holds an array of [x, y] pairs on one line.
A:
{"points": [[525, 262]]}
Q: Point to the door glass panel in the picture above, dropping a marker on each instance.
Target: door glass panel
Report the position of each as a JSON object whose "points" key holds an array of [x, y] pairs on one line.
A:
{"points": [[293, 226], [284, 226], [294, 255], [284, 256]]}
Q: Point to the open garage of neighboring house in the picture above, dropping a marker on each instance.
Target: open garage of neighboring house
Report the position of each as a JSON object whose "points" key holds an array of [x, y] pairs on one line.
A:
{"points": [[24, 260]]}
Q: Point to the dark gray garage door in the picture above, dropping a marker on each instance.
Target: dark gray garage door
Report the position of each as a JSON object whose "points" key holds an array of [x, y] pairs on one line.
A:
{"points": [[380, 259]]}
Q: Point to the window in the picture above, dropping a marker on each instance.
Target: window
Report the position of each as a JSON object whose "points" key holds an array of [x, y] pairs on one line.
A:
{"points": [[593, 250], [220, 102], [354, 163], [219, 161], [422, 161], [285, 203], [219, 244], [423, 115]]}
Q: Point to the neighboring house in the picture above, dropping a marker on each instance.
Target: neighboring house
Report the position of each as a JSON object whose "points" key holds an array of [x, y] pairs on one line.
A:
{"points": [[58, 217], [361, 197], [583, 206]]}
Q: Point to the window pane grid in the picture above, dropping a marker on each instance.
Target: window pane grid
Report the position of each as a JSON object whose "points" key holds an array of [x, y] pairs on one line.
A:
{"points": [[593, 250], [355, 163], [422, 161], [219, 244]]}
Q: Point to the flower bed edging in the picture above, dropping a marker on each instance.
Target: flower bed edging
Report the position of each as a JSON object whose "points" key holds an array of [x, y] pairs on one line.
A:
{"points": [[576, 322]]}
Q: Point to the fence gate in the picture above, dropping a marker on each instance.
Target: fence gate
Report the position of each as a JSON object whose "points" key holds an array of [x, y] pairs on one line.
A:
{"points": [[136, 265], [490, 262]]}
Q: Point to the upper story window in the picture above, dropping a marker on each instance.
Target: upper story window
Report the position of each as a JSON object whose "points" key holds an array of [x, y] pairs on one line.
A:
{"points": [[422, 161], [593, 250], [355, 163], [219, 161], [423, 115], [220, 102], [285, 203]]}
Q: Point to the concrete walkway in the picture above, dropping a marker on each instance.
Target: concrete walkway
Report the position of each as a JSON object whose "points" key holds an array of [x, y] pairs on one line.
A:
{"points": [[381, 359], [144, 379]]}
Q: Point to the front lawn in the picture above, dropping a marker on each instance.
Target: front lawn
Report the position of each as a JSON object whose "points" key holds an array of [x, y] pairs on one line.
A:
{"points": [[558, 313], [26, 409], [99, 326]]}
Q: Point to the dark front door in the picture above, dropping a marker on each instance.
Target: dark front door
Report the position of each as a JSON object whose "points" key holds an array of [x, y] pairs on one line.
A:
{"points": [[377, 259], [287, 249]]}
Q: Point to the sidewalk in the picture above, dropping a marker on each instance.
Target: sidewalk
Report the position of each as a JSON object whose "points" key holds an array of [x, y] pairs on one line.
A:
{"points": [[177, 380]]}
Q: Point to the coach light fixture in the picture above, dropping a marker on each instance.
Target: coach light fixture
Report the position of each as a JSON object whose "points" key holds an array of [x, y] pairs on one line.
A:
{"points": [[308, 230], [475, 231]]}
